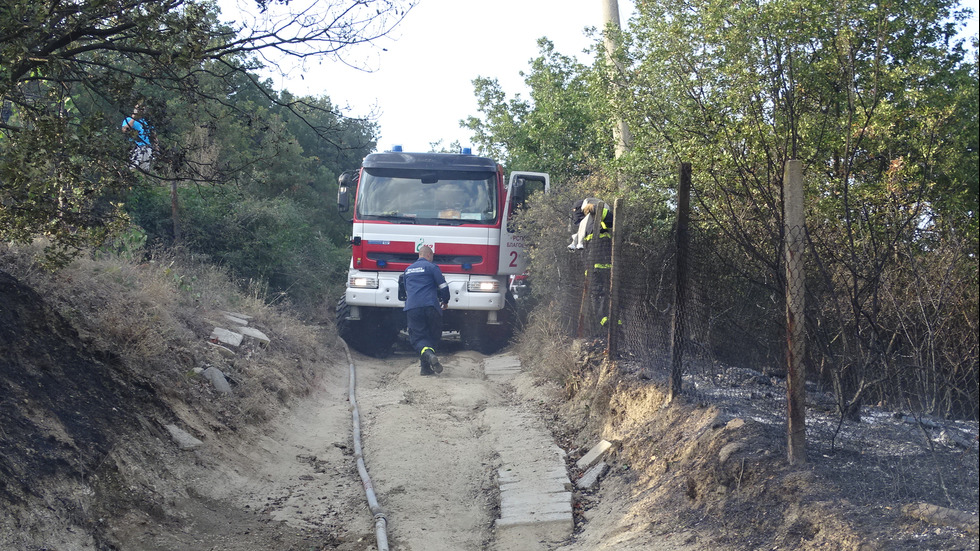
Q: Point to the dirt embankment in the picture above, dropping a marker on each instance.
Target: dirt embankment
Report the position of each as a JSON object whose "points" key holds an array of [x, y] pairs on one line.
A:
{"points": [[97, 360], [63, 410], [710, 470]]}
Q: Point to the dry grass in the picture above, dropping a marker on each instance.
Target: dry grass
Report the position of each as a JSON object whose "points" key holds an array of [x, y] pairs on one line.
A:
{"points": [[157, 315], [544, 344]]}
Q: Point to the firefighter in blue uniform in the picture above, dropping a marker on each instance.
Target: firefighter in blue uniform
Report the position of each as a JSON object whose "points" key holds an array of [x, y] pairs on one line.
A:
{"points": [[427, 294]]}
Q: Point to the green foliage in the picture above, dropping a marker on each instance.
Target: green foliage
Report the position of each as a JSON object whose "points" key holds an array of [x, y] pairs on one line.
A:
{"points": [[268, 240], [128, 244], [879, 101], [276, 243], [850, 89], [242, 173], [55, 182], [273, 221], [555, 132], [70, 73]]}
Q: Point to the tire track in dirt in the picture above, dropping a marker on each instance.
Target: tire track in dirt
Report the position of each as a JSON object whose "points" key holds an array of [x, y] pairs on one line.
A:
{"points": [[301, 472]]}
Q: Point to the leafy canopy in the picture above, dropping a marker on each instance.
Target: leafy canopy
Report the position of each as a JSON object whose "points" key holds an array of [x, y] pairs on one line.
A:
{"points": [[71, 71]]}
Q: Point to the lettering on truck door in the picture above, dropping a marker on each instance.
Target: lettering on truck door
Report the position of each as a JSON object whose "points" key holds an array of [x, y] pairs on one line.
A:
{"points": [[513, 255]]}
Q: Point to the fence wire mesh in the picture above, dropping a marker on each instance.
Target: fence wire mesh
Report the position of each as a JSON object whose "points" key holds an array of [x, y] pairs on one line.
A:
{"points": [[727, 319], [906, 348], [879, 336]]}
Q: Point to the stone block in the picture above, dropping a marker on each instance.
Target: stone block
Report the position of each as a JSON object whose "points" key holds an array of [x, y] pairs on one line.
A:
{"points": [[241, 322], [217, 379], [227, 337], [255, 334], [223, 350], [592, 475], [594, 455], [513, 504], [237, 315], [539, 532], [183, 439], [502, 366]]}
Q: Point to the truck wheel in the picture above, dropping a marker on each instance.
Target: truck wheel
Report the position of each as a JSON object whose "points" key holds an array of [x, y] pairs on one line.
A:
{"points": [[372, 335], [495, 337], [490, 339], [470, 332]]}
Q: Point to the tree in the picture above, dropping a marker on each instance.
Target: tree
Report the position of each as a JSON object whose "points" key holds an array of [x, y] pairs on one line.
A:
{"points": [[256, 192], [69, 73], [876, 100], [558, 131]]}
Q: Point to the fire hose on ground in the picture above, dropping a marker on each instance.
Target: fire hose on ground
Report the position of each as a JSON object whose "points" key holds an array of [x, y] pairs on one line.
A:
{"points": [[380, 522]]}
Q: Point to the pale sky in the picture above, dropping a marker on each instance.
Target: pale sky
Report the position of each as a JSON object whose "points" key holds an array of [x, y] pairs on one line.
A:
{"points": [[421, 86]]}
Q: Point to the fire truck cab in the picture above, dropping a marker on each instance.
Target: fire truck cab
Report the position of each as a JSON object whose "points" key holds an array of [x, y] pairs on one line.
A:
{"points": [[462, 207]]}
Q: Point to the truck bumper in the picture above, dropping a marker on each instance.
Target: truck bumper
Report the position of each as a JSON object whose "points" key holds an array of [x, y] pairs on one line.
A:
{"points": [[380, 289]]}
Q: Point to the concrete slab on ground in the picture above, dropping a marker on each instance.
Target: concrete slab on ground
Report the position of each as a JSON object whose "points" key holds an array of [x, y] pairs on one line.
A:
{"points": [[241, 322], [503, 366], [255, 334], [227, 337], [593, 456], [535, 496], [591, 476]]}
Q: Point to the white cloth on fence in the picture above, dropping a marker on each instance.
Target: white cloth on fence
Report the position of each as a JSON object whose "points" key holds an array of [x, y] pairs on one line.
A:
{"points": [[578, 239]]}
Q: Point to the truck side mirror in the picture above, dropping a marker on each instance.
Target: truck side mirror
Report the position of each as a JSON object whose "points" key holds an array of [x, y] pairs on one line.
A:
{"points": [[345, 183]]}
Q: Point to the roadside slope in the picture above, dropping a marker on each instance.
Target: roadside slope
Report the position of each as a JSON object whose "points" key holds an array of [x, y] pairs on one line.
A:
{"points": [[710, 469], [100, 361]]}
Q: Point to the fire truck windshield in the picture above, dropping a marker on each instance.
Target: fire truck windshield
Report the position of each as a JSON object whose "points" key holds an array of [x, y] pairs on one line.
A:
{"points": [[416, 197]]}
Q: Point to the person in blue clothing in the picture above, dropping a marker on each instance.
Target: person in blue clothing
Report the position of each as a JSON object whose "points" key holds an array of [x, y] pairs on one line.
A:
{"points": [[427, 295], [140, 134]]}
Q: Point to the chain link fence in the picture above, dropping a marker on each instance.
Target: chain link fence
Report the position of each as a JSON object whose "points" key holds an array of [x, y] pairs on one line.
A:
{"points": [[891, 340], [913, 346]]}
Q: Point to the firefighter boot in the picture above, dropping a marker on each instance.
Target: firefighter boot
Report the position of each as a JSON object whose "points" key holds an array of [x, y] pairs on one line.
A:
{"points": [[426, 369], [429, 355]]}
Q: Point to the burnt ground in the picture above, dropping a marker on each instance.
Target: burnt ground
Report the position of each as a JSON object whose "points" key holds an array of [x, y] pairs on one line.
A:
{"points": [[714, 464], [63, 409], [83, 446]]}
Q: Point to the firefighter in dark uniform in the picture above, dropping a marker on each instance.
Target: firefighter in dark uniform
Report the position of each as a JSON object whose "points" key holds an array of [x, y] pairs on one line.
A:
{"points": [[427, 294], [593, 220], [603, 216], [602, 256]]}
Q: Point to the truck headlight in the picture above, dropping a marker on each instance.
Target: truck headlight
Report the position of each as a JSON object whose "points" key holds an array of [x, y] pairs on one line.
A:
{"points": [[485, 286], [363, 282]]}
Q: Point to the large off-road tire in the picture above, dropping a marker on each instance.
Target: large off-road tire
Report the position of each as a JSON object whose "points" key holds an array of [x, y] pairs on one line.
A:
{"points": [[488, 339], [372, 335]]}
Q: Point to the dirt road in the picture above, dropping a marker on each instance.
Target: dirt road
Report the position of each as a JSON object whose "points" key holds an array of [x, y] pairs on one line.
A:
{"points": [[429, 446], [425, 446], [434, 447], [438, 449]]}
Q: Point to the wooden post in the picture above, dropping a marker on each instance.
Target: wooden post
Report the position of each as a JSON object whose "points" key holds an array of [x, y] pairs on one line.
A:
{"points": [[583, 306], [612, 320], [795, 292], [677, 328], [621, 131]]}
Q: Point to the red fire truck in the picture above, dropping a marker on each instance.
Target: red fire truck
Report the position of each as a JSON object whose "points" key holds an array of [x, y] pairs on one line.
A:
{"points": [[462, 207]]}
